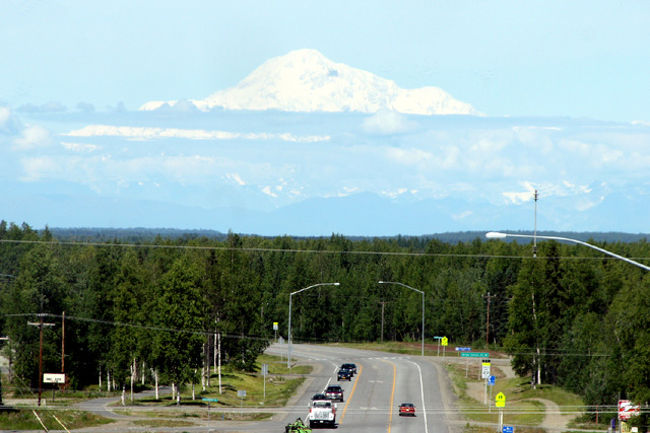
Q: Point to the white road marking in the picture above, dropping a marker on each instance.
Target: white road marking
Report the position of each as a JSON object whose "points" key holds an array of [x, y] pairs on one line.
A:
{"points": [[424, 408]]}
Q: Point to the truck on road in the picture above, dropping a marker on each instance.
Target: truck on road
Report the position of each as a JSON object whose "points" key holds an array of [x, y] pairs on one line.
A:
{"points": [[322, 412]]}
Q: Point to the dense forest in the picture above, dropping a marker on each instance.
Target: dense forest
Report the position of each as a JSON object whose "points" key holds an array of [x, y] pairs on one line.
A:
{"points": [[569, 316]]}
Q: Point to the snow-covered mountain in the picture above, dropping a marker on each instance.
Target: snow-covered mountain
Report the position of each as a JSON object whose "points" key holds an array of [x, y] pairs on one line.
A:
{"points": [[306, 81]]}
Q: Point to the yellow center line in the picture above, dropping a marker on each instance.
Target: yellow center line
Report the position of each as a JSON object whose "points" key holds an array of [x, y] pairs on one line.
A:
{"points": [[392, 396], [347, 402]]}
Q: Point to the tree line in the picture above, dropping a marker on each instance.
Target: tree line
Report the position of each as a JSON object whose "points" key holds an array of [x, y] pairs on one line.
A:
{"points": [[569, 316]]}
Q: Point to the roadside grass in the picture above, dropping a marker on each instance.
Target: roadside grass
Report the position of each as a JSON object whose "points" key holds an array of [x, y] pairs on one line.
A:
{"points": [[156, 423], [522, 412], [411, 348], [281, 383], [585, 422], [567, 401], [203, 414], [469, 428], [521, 408], [24, 419]]}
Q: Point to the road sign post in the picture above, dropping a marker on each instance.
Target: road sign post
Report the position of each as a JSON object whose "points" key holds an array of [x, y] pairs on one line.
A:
{"points": [[500, 402], [491, 381], [437, 337], [207, 401], [474, 355], [265, 372], [242, 395], [445, 342]]}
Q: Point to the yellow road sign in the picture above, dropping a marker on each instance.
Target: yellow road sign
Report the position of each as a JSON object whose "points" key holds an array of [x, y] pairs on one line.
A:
{"points": [[500, 400], [444, 341]]}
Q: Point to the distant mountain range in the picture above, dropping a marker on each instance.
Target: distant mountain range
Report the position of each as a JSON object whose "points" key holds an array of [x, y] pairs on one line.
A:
{"points": [[306, 81], [142, 234]]}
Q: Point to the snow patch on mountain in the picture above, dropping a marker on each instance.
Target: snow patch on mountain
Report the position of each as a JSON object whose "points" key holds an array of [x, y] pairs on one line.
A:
{"points": [[306, 81]]}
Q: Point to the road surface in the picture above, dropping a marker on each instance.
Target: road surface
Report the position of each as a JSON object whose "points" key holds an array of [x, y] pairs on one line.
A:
{"points": [[372, 397]]}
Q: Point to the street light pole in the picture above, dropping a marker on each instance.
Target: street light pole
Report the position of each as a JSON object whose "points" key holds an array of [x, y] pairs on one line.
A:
{"points": [[414, 289], [289, 325], [500, 235]]}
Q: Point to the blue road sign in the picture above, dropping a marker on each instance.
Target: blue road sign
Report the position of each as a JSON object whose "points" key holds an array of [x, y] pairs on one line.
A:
{"points": [[463, 349], [508, 429], [491, 380]]}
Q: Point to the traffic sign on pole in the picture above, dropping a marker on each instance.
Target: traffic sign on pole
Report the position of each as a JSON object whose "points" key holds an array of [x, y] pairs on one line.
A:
{"points": [[485, 370], [500, 400], [474, 355]]}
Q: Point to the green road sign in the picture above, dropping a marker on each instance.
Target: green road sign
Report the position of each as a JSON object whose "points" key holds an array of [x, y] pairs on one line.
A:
{"points": [[474, 355], [213, 400]]}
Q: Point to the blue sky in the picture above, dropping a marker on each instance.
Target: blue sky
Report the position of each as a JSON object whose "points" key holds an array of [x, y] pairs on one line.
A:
{"points": [[564, 87], [532, 58]]}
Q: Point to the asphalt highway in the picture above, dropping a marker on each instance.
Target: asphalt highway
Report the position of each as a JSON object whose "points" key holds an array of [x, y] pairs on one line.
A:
{"points": [[372, 397]]}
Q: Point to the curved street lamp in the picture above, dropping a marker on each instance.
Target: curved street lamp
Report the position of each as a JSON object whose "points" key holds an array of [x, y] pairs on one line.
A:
{"points": [[500, 235], [289, 326], [416, 290]]}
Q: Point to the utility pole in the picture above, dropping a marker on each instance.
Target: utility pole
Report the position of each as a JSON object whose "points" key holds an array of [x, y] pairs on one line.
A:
{"points": [[487, 324], [63, 348], [40, 325], [2, 339], [383, 304], [535, 227]]}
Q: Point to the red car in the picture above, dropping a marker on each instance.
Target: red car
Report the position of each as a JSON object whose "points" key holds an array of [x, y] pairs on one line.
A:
{"points": [[406, 409]]}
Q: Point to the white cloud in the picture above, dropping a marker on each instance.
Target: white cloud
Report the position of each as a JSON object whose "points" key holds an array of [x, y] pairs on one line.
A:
{"points": [[462, 215], [394, 193], [151, 133], [268, 191], [80, 147], [235, 177], [521, 196], [387, 122], [33, 137], [35, 169], [4, 116]]}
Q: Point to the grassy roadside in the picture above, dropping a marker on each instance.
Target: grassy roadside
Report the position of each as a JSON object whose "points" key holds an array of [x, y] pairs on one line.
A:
{"points": [[24, 419], [522, 408], [410, 348], [280, 384]]}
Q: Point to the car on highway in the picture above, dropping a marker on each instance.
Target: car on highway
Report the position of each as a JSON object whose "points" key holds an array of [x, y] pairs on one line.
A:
{"points": [[319, 396], [344, 374], [407, 409], [334, 392], [350, 366]]}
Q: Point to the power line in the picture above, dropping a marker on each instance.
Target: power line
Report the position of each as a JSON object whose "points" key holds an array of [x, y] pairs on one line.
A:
{"points": [[305, 251], [138, 326]]}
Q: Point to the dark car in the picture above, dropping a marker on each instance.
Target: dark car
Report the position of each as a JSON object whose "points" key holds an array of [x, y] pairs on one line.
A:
{"points": [[319, 397], [351, 367], [334, 392], [344, 374], [407, 409]]}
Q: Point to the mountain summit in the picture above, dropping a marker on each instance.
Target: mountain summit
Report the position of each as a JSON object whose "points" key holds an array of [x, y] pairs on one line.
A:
{"points": [[306, 81]]}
